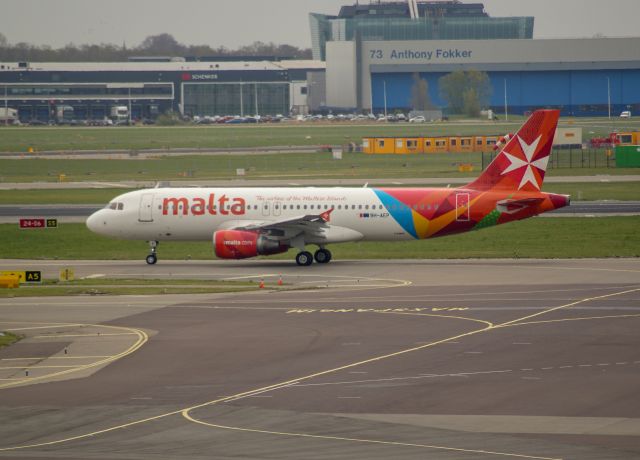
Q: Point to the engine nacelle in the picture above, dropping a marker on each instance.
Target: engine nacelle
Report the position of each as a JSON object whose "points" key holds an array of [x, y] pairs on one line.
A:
{"points": [[239, 244]]}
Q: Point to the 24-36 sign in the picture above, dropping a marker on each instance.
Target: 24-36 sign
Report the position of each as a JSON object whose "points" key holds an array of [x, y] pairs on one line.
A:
{"points": [[38, 223]]}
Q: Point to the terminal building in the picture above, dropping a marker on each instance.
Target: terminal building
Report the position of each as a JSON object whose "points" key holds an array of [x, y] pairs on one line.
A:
{"points": [[91, 90], [375, 51]]}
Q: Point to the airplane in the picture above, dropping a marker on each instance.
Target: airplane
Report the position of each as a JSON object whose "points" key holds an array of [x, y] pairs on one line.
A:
{"points": [[248, 222]]}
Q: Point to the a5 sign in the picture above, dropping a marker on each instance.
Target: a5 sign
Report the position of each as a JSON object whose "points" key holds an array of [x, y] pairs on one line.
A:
{"points": [[39, 223]]}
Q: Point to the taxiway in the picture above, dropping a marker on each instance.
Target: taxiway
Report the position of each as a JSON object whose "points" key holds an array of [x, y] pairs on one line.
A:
{"points": [[533, 359]]}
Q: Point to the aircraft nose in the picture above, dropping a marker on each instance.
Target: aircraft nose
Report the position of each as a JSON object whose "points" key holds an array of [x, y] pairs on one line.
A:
{"points": [[96, 223]]}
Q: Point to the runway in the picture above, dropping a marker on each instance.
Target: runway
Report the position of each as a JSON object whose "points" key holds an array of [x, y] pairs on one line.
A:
{"points": [[533, 359]]}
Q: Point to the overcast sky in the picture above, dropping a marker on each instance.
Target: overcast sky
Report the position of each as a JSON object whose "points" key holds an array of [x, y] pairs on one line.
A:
{"points": [[233, 23]]}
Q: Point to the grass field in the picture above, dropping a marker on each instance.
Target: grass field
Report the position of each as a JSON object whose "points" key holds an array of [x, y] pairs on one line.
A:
{"points": [[288, 166], [126, 287], [534, 238], [588, 191], [7, 338], [136, 138]]}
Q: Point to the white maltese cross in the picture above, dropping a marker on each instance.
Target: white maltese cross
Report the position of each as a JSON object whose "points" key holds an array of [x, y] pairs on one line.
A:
{"points": [[529, 151]]}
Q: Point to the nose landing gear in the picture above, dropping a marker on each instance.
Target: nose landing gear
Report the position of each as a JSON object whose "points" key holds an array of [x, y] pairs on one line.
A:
{"points": [[152, 258]]}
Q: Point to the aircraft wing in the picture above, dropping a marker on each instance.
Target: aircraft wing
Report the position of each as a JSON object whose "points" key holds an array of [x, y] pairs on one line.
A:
{"points": [[305, 222], [308, 228]]}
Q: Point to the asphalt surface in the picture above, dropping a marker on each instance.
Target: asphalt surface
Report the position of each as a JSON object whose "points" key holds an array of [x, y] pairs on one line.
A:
{"points": [[534, 359]]}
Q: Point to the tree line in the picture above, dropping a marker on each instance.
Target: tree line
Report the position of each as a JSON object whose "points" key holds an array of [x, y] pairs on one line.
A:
{"points": [[465, 92], [153, 46]]}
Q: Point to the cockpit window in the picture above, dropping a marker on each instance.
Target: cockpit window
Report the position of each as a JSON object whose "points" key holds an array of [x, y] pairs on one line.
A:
{"points": [[115, 206]]}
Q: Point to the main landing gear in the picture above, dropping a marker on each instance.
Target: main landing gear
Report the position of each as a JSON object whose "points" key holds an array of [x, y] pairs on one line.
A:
{"points": [[152, 258], [322, 256]]}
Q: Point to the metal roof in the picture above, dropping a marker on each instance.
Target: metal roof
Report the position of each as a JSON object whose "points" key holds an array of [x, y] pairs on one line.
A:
{"points": [[138, 66]]}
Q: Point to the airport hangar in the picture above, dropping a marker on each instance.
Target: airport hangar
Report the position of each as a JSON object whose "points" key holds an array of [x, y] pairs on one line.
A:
{"points": [[577, 76], [209, 86], [374, 51]]}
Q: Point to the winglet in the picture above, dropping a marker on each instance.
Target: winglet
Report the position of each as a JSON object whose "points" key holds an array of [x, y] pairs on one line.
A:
{"points": [[326, 216]]}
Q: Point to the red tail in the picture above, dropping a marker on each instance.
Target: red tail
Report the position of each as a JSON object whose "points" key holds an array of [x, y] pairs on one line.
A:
{"points": [[522, 164]]}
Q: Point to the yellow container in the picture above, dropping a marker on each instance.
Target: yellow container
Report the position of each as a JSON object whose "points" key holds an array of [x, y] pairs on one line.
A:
{"points": [[62, 177], [367, 145], [465, 144], [384, 145], [409, 145]]}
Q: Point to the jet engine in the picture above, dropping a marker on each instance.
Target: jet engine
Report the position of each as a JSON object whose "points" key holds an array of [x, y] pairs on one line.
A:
{"points": [[240, 244]]}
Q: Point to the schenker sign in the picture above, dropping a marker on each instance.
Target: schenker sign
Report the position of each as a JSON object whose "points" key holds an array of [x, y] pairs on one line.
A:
{"points": [[199, 76]]}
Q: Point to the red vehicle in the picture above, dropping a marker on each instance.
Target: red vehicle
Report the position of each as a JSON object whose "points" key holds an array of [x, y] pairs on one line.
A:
{"points": [[626, 138]]}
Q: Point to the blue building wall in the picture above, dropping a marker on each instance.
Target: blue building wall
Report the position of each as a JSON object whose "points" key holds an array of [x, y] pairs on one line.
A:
{"points": [[574, 92]]}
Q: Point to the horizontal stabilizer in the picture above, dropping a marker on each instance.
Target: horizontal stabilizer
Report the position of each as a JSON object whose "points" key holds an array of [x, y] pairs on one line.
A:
{"points": [[513, 206]]}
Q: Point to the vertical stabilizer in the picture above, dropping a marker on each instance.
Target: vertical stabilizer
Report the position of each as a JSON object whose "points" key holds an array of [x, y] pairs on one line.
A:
{"points": [[522, 163]]}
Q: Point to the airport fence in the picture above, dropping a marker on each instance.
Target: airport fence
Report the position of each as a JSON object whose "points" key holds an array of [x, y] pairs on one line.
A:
{"points": [[569, 158]]}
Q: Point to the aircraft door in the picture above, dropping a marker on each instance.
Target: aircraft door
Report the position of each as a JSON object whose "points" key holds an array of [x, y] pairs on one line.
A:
{"points": [[145, 213], [462, 207]]}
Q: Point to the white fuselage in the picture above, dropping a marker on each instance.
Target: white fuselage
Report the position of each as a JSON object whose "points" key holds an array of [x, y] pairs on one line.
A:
{"points": [[194, 214]]}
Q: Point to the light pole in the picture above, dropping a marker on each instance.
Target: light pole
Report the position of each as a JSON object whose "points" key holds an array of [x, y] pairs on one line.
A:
{"points": [[506, 102], [6, 107], [129, 105], [609, 96], [384, 87], [256, 97]]}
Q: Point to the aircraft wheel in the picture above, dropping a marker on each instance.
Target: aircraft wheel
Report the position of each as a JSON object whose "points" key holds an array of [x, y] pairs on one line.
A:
{"points": [[152, 259], [322, 256], [304, 259]]}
